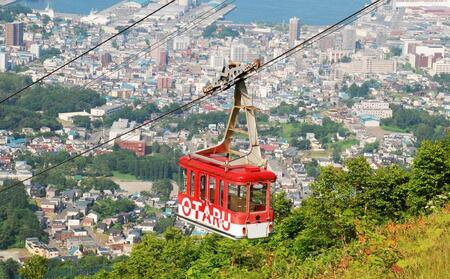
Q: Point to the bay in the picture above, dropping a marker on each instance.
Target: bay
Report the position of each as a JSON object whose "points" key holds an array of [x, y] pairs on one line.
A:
{"points": [[313, 12]]}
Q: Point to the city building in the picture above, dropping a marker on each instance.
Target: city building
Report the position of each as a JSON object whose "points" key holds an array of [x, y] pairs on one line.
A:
{"points": [[162, 58], [106, 59], [137, 147], [181, 43], [368, 65], [420, 3], [376, 109], [105, 110], [426, 56], [14, 34], [35, 49], [441, 67], [294, 30], [239, 53], [3, 61]]}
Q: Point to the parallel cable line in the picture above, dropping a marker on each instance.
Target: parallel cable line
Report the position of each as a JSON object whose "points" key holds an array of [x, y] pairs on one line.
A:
{"points": [[84, 53], [328, 31], [184, 29], [168, 37]]}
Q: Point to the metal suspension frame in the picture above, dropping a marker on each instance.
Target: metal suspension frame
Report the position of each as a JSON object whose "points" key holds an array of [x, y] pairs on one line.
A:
{"points": [[242, 102]]}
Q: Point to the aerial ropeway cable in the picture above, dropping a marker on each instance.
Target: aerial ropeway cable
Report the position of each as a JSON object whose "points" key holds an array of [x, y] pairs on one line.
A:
{"points": [[236, 75], [84, 53], [179, 31]]}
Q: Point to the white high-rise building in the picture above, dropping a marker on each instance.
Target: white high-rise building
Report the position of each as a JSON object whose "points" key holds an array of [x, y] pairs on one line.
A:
{"points": [[441, 67], [35, 49], [217, 60], [3, 61], [181, 43], [239, 53], [294, 30]]}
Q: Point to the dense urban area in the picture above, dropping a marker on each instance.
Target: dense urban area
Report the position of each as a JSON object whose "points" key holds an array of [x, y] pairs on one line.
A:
{"points": [[355, 126]]}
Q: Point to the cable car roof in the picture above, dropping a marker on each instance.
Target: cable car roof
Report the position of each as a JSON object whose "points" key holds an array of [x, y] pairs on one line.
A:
{"points": [[238, 174]]}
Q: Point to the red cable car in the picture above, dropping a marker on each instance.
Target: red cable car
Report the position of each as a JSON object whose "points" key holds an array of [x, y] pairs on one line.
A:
{"points": [[228, 191]]}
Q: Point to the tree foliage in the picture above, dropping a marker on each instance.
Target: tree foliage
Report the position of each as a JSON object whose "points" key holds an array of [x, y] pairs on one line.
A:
{"points": [[109, 207], [423, 125], [162, 164], [17, 220], [49, 53], [40, 105], [9, 269], [214, 31], [8, 13], [35, 267]]}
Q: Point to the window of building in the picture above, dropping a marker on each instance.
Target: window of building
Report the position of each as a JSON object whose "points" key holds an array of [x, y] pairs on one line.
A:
{"points": [[237, 198], [258, 197]]}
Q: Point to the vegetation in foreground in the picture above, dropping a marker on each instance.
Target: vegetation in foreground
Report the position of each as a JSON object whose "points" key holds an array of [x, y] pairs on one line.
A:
{"points": [[359, 223]]}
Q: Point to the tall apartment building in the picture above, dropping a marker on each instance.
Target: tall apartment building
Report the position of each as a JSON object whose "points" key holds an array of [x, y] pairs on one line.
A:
{"points": [[106, 59], [294, 30], [239, 53], [14, 34]]}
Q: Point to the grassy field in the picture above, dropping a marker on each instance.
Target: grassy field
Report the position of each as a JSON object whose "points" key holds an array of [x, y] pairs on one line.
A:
{"points": [[343, 145], [287, 130], [124, 176], [418, 248]]}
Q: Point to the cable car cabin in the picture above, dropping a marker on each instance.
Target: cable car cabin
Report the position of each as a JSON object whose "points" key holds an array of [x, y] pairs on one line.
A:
{"points": [[234, 203], [227, 191]]}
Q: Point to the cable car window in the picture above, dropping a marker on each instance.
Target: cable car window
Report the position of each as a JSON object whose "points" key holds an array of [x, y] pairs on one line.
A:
{"points": [[203, 187], [192, 184], [221, 193], [237, 198], [258, 197], [184, 186], [212, 189]]}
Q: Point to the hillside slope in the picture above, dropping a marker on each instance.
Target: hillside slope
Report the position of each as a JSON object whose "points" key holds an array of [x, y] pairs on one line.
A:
{"points": [[419, 248]]}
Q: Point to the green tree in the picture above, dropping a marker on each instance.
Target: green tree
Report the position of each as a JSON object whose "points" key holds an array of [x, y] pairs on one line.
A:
{"points": [[312, 168], [9, 269], [430, 174], [82, 121], [282, 206], [35, 267], [386, 194], [328, 218], [162, 189]]}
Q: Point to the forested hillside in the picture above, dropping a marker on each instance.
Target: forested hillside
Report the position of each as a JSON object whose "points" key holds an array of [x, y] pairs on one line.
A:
{"points": [[39, 106], [358, 223]]}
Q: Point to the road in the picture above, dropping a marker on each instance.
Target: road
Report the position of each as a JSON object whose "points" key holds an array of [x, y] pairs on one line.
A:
{"points": [[14, 254]]}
